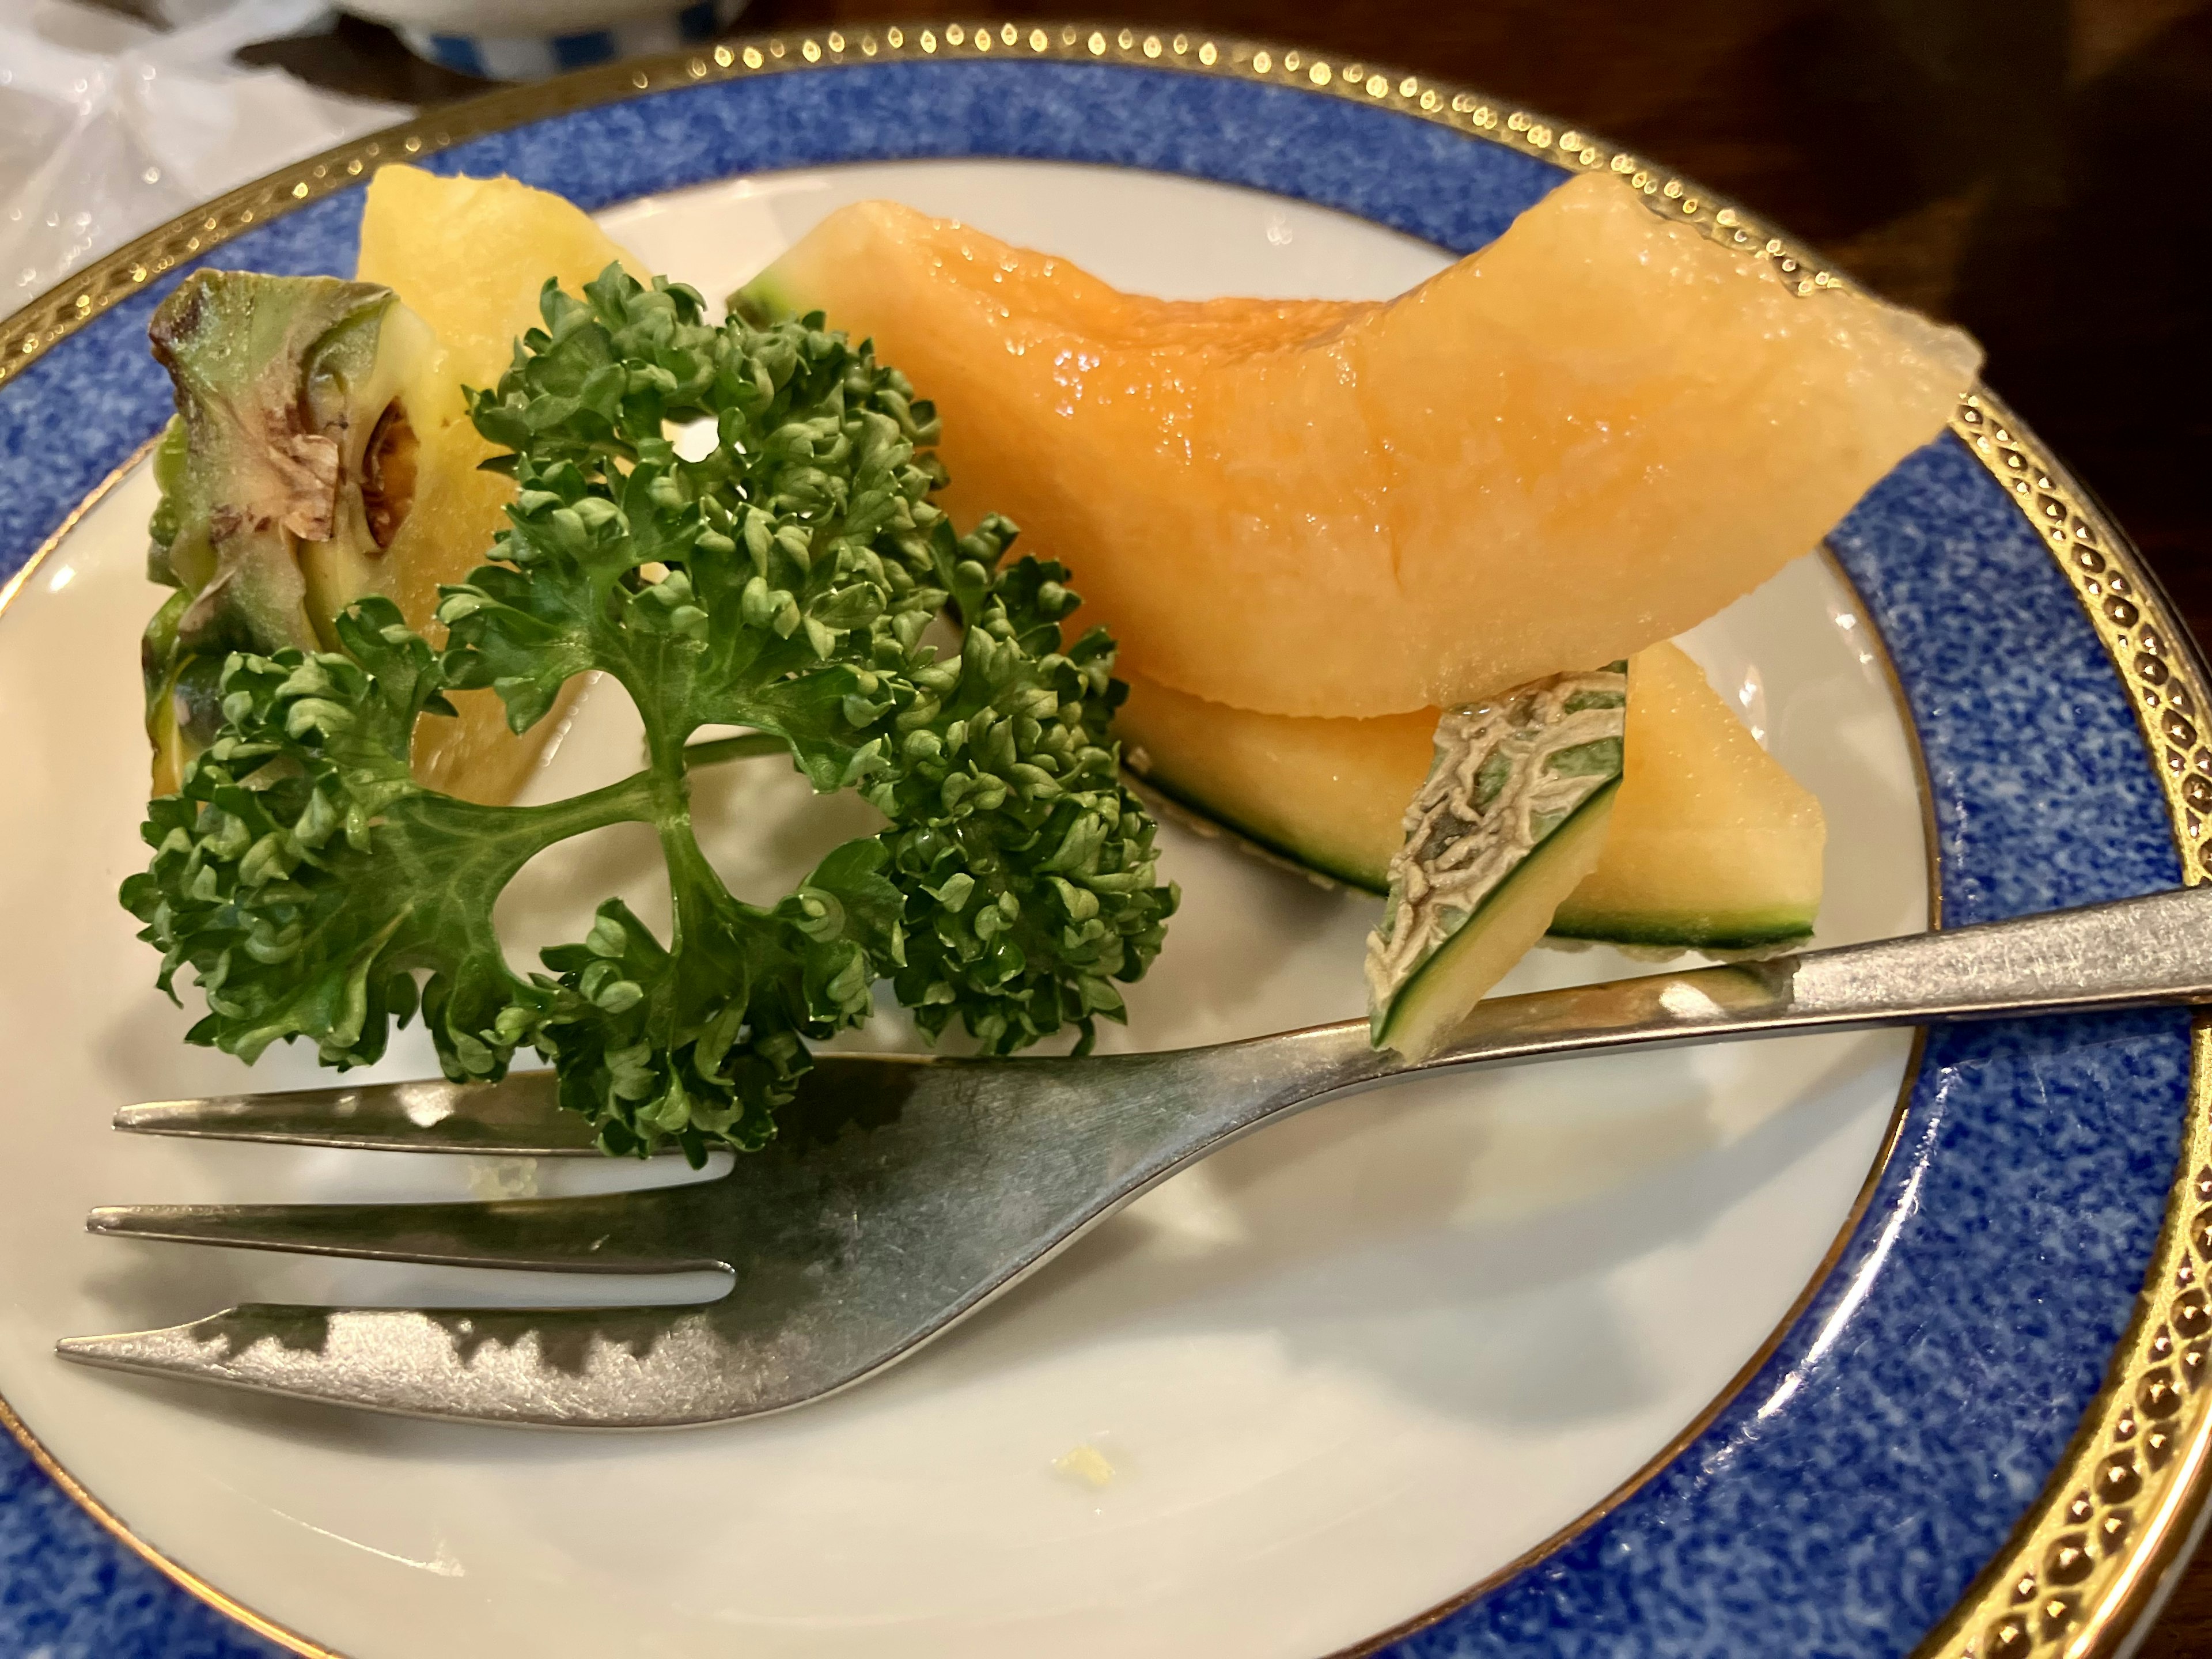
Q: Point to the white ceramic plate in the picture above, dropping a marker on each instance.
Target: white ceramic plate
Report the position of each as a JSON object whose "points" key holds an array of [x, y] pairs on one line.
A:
{"points": [[1339, 1372]]}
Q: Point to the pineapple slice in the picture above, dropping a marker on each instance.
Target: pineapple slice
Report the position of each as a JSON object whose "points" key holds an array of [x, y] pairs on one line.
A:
{"points": [[470, 256], [323, 451]]}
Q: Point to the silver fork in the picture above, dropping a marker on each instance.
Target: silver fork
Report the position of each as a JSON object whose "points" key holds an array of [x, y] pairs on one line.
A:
{"points": [[904, 1193]]}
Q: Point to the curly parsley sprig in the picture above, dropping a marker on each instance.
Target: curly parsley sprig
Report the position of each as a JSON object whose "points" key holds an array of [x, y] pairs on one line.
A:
{"points": [[780, 581]]}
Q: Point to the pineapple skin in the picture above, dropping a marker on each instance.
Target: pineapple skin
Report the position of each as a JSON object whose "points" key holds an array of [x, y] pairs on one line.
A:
{"points": [[265, 527]]}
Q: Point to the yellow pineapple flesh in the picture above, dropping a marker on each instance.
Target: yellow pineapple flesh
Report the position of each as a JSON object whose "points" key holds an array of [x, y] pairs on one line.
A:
{"points": [[470, 256]]}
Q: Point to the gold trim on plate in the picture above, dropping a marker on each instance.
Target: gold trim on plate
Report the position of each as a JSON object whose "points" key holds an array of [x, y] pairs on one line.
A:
{"points": [[2093, 1552], [183, 1576], [16, 583], [31, 332]]}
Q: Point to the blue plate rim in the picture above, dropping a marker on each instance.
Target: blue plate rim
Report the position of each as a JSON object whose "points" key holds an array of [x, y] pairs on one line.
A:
{"points": [[1984, 428]]}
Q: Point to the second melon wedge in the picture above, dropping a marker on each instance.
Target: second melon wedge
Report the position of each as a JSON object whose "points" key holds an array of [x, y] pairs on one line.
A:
{"points": [[1582, 438], [1713, 844], [1328, 795]]}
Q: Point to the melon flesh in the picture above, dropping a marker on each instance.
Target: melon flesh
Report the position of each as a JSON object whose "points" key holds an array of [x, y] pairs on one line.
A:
{"points": [[1585, 438], [1713, 844], [469, 257], [1329, 794]]}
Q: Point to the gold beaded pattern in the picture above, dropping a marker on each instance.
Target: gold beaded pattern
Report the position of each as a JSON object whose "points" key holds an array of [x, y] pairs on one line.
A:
{"points": [[47, 321], [2118, 1511]]}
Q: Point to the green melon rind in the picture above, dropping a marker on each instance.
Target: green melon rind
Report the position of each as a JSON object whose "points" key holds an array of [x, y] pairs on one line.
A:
{"points": [[1706, 931], [1434, 1000], [1703, 930], [1747, 930], [1313, 861]]}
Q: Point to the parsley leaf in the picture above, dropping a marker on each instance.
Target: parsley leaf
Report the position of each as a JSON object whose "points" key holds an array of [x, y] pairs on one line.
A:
{"points": [[781, 581]]}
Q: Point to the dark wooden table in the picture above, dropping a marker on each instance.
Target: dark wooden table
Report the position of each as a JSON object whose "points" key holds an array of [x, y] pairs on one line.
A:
{"points": [[2027, 168]]}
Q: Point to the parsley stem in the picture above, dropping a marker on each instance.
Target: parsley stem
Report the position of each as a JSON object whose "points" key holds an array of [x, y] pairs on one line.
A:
{"points": [[744, 747]]}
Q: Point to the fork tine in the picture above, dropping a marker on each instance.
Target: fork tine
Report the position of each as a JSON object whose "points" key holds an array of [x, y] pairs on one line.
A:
{"points": [[658, 1230], [591, 1367], [895, 1198], [516, 1118]]}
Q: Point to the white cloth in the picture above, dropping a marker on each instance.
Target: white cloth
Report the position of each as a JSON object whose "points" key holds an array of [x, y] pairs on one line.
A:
{"points": [[109, 127]]}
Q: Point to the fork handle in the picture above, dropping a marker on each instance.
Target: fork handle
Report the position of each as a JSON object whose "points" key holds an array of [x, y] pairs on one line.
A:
{"points": [[2137, 952], [2134, 952]]}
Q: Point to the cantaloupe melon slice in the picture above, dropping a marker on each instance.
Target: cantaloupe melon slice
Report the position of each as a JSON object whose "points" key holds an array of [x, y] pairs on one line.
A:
{"points": [[1583, 438], [1327, 794], [1713, 845], [469, 257]]}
